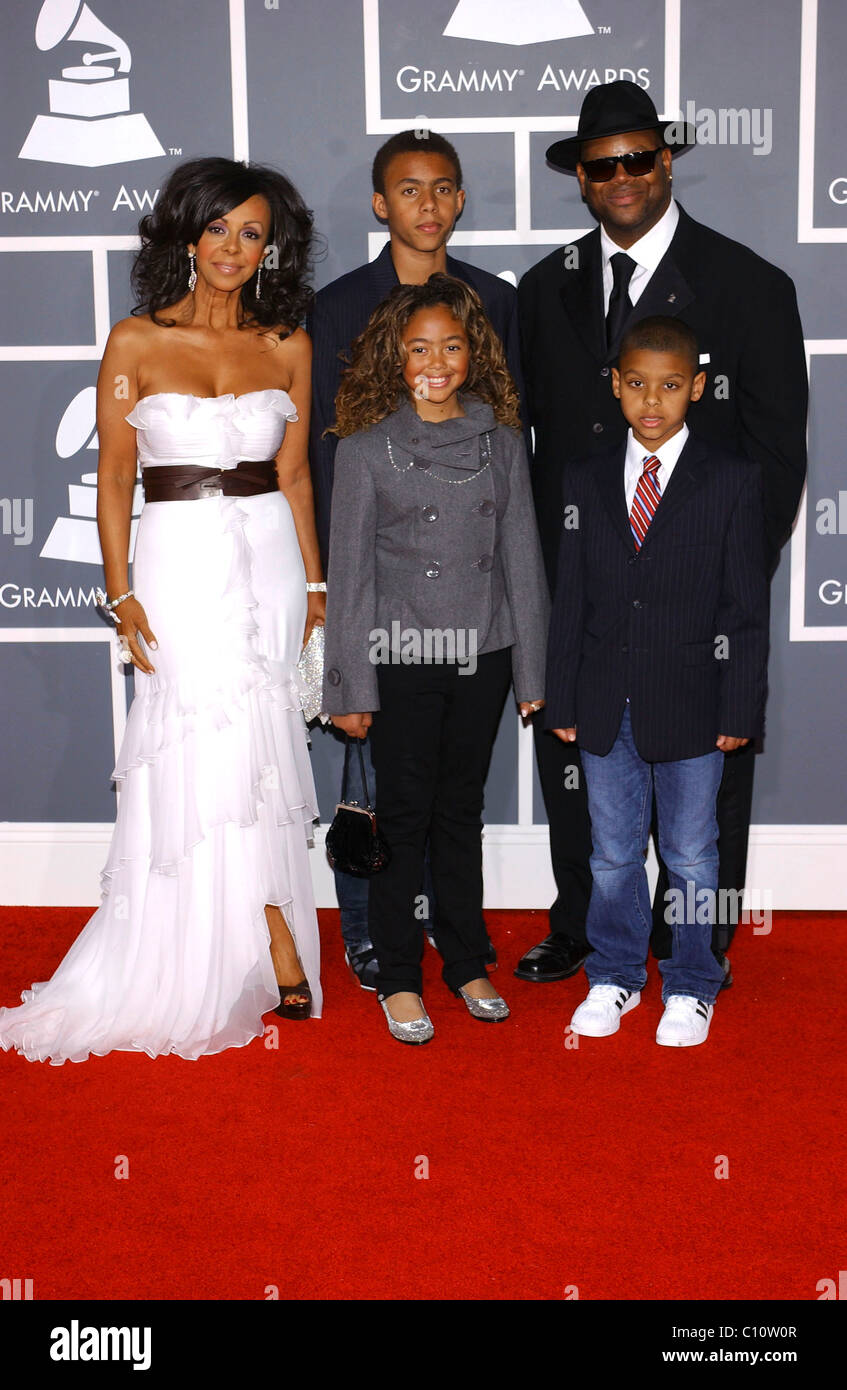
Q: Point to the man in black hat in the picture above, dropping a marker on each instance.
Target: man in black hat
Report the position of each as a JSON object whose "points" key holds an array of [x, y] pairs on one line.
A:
{"points": [[647, 256]]}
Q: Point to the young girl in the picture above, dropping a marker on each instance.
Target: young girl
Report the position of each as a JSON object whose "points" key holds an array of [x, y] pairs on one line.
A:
{"points": [[436, 600]]}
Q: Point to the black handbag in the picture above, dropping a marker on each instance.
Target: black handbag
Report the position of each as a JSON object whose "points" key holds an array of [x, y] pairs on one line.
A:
{"points": [[353, 842]]}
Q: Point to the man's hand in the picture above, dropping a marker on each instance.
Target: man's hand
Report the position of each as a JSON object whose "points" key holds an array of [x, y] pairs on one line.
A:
{"points": [[566, 735], [354, 725], [727, 744]]}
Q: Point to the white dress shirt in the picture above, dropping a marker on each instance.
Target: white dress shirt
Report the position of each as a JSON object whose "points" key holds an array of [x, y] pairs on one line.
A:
{"points": [[646, 252], [668, 456]]}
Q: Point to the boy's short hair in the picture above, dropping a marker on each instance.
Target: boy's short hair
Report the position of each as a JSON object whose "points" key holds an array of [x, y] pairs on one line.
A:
{"points": [[412, 142], [660, 333]]}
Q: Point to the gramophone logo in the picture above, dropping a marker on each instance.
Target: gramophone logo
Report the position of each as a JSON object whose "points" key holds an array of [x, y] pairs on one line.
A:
{"points": [[502, 21], [90, 121], [75, 537]]}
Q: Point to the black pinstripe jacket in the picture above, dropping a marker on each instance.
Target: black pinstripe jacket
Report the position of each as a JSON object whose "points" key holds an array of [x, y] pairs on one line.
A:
{"points": [[744, 312], [680, 627]]}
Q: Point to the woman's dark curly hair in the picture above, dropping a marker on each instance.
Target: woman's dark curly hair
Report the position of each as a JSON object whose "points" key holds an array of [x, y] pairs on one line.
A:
{"points": [[373, 385], [196, 194]]}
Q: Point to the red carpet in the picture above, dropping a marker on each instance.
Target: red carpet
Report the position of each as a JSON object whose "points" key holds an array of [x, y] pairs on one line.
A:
{"points": [[548, 1167]]}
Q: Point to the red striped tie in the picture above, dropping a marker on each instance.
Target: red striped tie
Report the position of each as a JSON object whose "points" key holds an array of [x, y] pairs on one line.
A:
{"points": [[647, 497]]}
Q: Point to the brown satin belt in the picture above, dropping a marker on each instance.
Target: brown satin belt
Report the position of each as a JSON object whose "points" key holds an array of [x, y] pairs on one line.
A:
{"points": [[186, 483]]}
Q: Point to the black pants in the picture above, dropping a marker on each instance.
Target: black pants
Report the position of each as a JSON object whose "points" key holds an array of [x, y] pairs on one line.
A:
{"points": [[566, 802], [566, 799], [431, 742]]}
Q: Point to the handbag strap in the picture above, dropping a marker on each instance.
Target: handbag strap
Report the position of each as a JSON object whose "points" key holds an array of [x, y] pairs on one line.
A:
{"points": [[358, 743]]}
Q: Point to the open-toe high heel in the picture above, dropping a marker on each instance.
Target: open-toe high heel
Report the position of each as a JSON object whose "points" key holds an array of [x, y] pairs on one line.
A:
{"points": [[290, 1006]]}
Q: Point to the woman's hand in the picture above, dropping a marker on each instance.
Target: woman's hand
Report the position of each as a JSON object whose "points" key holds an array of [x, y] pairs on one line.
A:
{"points": [[354, 725], [315, 614], [132, 626], [566, 735], [530, 707]]}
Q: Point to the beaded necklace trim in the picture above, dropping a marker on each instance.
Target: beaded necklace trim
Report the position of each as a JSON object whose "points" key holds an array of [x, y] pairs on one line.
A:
{"points": [[484, 454]]}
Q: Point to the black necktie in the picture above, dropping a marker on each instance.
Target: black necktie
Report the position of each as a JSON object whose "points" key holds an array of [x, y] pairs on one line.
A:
{"points": [[619, 305]]}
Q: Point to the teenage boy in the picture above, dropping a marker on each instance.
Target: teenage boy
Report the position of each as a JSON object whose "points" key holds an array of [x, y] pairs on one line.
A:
{"points": [[418, 194], [657, 665]]}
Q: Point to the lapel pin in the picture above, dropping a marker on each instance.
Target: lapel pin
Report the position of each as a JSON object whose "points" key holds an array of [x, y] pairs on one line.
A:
{"points": [[671, 298]]}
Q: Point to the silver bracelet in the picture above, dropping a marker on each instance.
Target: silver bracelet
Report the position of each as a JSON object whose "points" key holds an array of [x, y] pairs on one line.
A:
{"points": [[108, 607], [316, 588]]}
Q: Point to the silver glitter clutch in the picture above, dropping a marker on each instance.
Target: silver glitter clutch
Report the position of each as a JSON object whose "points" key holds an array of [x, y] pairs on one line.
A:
{"points": [[311, 668]]}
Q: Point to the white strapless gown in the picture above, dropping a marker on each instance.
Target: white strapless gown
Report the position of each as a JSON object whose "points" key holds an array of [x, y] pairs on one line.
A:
{"points": [[216, 791]]}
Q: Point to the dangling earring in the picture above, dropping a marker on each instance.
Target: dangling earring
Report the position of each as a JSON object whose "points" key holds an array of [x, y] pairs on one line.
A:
{"points": [[259, 281], [192, 279]]}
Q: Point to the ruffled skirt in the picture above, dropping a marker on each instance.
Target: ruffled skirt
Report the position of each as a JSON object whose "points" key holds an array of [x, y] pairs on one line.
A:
{"points": [[216, 801]]}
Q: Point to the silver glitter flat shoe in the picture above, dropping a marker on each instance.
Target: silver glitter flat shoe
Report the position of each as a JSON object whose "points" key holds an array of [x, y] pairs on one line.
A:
{"points": [[420, 1030], [489, 1010]]}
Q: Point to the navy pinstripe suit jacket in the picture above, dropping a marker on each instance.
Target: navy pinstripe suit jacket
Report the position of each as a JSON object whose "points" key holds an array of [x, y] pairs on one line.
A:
{"points": [[341, 312], [680, 627], [744, 313]]}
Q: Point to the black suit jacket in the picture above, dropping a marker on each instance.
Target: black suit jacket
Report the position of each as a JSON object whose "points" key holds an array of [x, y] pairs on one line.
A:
{"points": [[680, 627], [744, 312], [341, 312]]}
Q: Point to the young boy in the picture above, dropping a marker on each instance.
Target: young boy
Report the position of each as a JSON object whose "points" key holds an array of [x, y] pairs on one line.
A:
{"points": [[656, 664], [418, 194]]}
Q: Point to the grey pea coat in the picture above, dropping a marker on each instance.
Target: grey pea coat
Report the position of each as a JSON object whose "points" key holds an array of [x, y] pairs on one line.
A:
{"points": [[433, 528]]}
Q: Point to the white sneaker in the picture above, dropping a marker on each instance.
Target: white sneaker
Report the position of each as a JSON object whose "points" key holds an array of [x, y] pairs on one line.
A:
{"points": [[600, 1014], [685, 1022]]}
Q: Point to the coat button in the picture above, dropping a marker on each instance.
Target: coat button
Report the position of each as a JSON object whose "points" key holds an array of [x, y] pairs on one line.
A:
{"points": [[429, 513], [632, 559], [432, 570], [624, 648], [604, 371], [421, 463], [597, 427], [333, 676], [486, 508], [485, 563], [636, 603]]}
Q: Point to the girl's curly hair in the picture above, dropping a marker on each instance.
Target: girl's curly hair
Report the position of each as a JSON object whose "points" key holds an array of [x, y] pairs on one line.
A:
{"points": [[197, 193], [373, 386]]}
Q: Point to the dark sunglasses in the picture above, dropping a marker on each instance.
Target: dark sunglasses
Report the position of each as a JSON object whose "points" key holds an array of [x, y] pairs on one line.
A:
{"points": [[636, 162]]}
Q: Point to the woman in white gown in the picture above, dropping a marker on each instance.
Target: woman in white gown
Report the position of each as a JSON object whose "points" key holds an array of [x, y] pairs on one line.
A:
{"points": [[207, 919]]}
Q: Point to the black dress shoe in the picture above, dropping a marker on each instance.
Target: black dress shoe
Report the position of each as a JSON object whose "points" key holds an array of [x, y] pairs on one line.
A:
{"points": [[555, 958]]}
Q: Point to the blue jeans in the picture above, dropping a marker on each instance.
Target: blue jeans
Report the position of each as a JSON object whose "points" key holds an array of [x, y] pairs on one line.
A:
{"points": [[353, 892], [620, 791]]}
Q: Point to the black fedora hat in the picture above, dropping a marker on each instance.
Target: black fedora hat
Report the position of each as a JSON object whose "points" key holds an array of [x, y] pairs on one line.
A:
{"points": [[615, 109]]}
